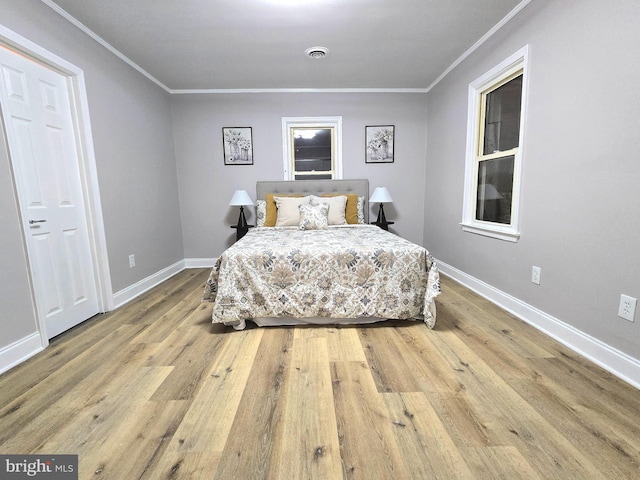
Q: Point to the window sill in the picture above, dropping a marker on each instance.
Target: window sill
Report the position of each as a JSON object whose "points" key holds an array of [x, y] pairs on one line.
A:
{"points": [[507, 235]]}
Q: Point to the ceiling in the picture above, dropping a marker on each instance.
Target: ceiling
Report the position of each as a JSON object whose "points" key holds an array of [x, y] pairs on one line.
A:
{"points": [[259, 44]]}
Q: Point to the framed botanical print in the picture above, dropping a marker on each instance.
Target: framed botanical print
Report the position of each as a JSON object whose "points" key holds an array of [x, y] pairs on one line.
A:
{"points": [[379, 143], [238, 145]]}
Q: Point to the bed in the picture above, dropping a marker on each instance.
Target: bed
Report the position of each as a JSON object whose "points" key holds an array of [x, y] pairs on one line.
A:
{"points": [[328, 265]]}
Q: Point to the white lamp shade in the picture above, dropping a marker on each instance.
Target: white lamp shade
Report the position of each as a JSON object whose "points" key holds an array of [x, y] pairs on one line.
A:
{"points": [[381, 195], [240, 198]]}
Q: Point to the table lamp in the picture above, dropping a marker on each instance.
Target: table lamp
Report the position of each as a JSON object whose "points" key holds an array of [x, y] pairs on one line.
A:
{"points": [[241, 198], [381, 195]]}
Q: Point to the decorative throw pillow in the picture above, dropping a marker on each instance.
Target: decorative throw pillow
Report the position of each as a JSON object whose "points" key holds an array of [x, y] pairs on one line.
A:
{"points": [[360, 209], [314, 217], [261, 212], [337, 206], [288, 213]]}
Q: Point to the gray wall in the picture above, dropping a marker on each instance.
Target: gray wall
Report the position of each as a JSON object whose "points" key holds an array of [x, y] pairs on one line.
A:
{"points": [[133, 139], [206, 184], [581, 174]]}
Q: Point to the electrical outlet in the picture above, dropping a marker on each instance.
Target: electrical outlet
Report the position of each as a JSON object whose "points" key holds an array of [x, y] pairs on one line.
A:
{"points": [[627, 308], [132, 260], [535, 275]]}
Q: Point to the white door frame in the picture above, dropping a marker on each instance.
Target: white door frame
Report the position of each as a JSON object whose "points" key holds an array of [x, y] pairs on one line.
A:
{"points": [[87, 163]]}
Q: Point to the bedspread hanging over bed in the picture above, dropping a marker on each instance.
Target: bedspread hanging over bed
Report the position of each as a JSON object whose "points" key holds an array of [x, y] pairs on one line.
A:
{"points": [[350, 272]]}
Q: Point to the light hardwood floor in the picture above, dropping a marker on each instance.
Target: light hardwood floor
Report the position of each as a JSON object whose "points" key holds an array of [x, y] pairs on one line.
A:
{"points": [[154, 391]]}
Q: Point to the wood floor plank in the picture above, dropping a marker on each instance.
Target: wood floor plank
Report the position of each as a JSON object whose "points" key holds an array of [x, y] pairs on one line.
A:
{"points": [[513, 420], [599, 389], [155, 303], [257, 426], [194, 351], [73, 343], [438, 375], [309, 446], [178, 342], [87, 369], [184, 466], [108, 405], [496, 344], [427, 448], [382, 347], [167, 323], [343, 341], [206, 425], [465, 306], [500, 463], [133, 447], [464, 420], [609, 449], [431, 370], [344, 344], [367, 443]]}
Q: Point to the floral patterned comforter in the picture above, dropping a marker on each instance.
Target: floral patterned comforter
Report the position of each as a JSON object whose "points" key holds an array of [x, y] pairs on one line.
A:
{"points": [[349, 271]]}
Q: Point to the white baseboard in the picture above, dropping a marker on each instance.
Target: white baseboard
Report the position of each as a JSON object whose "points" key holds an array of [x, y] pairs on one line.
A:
{"points": [[618, 363], [199, 262], [19, 351], [127, 294]]}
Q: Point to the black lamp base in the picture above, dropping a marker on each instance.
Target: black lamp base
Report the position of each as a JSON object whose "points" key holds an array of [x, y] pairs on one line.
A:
{"points": [[381, 220], [242, 221]]}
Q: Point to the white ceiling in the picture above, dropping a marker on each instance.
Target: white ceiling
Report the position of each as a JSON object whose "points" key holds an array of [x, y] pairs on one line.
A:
{"points": [[260, 44]]}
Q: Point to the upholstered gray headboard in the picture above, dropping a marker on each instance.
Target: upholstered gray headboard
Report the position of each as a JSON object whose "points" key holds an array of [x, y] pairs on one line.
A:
{"points": [[317, 187]]}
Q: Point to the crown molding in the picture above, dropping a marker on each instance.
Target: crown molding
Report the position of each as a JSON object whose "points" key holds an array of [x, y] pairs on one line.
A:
{"points": [[78, 24], [479, 43], [297, 90]]}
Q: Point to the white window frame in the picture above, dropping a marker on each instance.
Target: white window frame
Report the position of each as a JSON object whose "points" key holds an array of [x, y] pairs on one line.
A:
{"points": [[289, 123], [496, 76]]}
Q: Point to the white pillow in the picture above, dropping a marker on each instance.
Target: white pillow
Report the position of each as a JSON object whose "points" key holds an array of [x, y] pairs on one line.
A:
{"points": [[288, 212], [314, 217], [337, 206]]}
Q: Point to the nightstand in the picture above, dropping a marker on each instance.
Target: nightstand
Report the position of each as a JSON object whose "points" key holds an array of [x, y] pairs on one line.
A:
{"points": [[241, 231], [384, 226]]}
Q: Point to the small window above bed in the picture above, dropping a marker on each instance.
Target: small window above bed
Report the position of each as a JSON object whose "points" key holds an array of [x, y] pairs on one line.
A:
{"points": [[312, 148]]}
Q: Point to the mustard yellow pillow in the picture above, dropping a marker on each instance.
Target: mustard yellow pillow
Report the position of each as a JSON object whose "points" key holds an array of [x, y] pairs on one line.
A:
{"points": [[351, 210]]}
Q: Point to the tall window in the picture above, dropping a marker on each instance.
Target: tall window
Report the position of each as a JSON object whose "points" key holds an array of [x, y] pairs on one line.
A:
{"points": [[493, 166], [312, 147]]}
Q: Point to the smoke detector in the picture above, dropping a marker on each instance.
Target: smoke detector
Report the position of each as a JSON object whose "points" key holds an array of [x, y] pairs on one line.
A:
{"points": [[316, 52]]}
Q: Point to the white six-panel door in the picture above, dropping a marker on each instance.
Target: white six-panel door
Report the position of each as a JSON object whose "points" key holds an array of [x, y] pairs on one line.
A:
{"points": [[42, 143]]}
